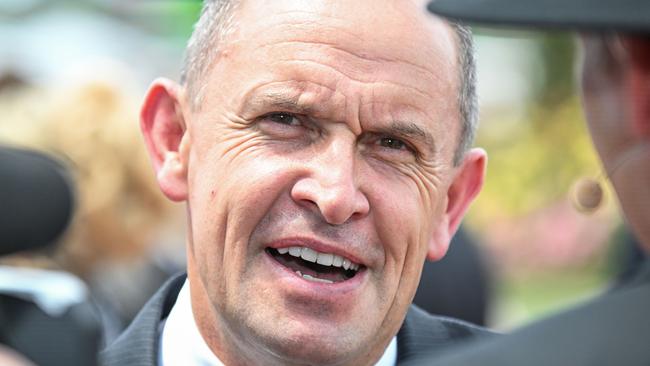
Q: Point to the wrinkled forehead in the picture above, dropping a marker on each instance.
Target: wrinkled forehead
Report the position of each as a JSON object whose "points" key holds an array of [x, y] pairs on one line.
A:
{"points": [[355, 61], [375, 29]]}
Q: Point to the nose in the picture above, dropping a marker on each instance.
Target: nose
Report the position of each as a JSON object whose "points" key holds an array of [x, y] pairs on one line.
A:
{"points": [[331, 185]]}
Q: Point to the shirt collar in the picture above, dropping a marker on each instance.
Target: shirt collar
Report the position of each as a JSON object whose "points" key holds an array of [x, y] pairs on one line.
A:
{"points": [[182, 344]]}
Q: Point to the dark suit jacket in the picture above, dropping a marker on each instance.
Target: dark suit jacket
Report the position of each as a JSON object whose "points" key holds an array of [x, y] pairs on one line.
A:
{"points": [[609, 331], [138, 345]]}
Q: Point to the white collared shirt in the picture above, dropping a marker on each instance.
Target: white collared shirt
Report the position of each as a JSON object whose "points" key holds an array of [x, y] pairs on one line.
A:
{"points": [[182, 344]]}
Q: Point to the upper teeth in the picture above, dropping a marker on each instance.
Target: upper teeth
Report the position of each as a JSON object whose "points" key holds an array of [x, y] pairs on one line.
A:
{"points": [[325, 259]]}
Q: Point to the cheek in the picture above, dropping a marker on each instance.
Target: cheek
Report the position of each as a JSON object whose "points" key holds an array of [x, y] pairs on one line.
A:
{"points": [[228, 199], [239, 189], [404, 232], [229, 195], [403, 214], [639, 88], [638, 81], [416, 205]]}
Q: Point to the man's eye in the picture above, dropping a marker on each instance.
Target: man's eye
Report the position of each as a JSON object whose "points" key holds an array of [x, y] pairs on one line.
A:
{"points": [[392, 143], [283, 118]]}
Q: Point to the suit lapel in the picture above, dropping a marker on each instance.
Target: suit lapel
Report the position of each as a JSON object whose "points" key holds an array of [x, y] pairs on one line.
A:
{"points": [[425, 333], [138, 345]]}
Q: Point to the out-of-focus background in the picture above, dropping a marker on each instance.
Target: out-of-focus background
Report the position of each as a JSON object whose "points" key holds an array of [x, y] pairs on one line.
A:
{"points": [[72, 76]]}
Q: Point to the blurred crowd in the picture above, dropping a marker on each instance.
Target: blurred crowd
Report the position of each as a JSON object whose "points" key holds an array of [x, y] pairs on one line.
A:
{"points": [[124, 238]]}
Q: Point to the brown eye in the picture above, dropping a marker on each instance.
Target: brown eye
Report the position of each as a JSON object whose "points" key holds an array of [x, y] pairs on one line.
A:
{"points": [[392, 143], [283, 118]]}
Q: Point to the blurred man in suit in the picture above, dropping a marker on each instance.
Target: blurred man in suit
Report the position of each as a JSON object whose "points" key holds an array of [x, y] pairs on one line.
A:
{"points": [[323, 151], [613, 329]]}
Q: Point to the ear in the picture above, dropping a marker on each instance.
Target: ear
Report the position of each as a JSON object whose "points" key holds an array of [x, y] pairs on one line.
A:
{"points": [[464, 188], [165, 135]]}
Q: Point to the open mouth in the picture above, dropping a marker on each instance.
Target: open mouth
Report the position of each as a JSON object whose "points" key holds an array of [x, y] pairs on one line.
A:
{"points": [[316, 266]]}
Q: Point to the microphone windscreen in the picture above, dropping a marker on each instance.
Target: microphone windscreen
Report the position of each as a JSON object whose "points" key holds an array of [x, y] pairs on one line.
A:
{"points": [[36, 200]]}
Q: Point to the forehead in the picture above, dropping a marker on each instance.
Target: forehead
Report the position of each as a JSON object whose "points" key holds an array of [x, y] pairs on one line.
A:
{"points": [[381, 22], [382, 30], [386, 51]]}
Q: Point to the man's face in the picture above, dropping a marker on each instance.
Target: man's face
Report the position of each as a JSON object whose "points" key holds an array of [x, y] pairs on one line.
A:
{"points": [[325, 134], [616, 97]]}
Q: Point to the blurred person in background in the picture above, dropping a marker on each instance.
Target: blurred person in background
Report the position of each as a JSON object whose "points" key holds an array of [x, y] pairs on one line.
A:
{"points": [[469, 294], [613, 329], [122, 239]]}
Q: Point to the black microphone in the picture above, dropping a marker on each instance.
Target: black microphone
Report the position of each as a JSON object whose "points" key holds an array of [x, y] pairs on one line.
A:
{"points": [[36, 200]]}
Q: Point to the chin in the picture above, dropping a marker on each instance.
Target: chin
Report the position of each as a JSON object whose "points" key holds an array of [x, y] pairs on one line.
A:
{"points": [[319, 352], [298, 344]]}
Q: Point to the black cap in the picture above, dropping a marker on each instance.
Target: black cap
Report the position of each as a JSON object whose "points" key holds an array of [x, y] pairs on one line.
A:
{"points": [[594, 15]]}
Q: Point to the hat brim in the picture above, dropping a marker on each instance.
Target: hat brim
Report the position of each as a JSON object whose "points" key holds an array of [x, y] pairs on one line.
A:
{"points": [[588, 15]]}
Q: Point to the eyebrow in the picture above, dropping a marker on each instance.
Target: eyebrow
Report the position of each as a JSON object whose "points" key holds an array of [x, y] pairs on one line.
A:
{"points": [[289, 102], [277, 100]]}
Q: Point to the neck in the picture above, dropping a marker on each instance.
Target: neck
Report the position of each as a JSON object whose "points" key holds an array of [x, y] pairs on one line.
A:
{"points": [[629, 178]]}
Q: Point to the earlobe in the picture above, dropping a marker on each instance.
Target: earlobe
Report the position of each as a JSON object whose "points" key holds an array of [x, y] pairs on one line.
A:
{"points": [[439, 242], [163, 127], [463, 190]]}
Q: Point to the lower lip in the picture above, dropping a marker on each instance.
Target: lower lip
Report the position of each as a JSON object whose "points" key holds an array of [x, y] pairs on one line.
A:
{"points": [[311, 288]]}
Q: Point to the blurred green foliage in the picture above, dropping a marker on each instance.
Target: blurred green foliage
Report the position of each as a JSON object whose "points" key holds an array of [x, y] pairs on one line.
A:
{"points": [[178, 17], [557, 59]]}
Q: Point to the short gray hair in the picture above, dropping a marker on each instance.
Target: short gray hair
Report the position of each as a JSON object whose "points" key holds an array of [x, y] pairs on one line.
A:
{"points": [[217, 21], [467, 96], [214, 25]]}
